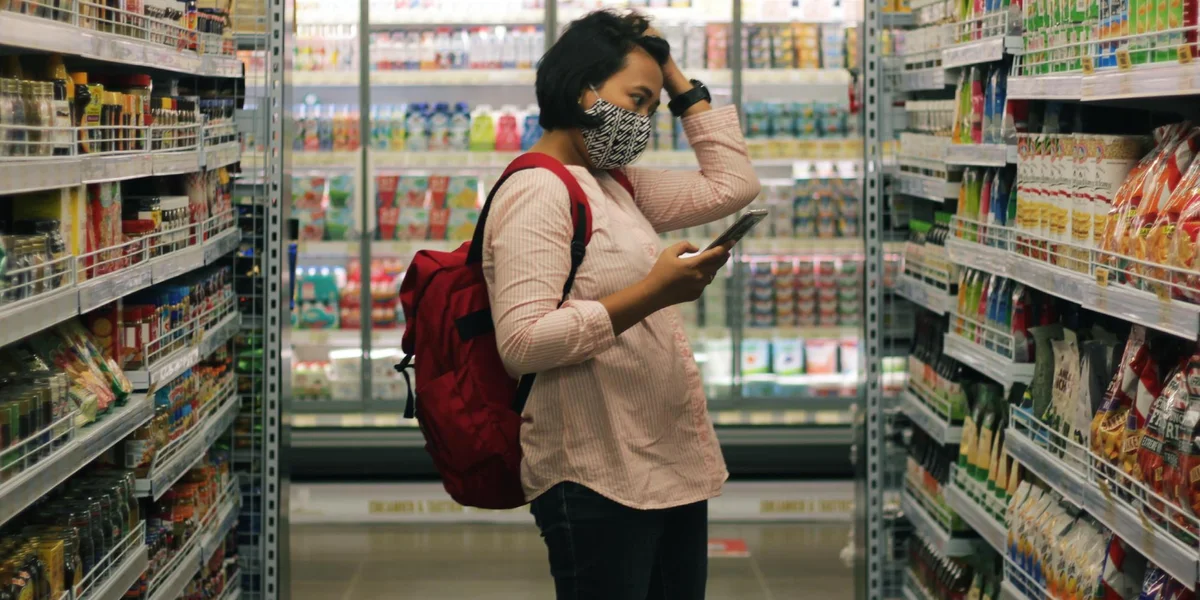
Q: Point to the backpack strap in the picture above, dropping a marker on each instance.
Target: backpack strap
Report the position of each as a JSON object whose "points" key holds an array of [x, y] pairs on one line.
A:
{"points": [[620, 177], [581, 223]]}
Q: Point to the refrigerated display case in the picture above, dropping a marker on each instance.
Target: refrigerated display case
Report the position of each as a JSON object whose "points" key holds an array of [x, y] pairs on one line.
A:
{"points": [[451, 102]]}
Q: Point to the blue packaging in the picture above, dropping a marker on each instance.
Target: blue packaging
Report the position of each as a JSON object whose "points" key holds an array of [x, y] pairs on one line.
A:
{"points": [[758, 123], [532, 131], [989, 104]]}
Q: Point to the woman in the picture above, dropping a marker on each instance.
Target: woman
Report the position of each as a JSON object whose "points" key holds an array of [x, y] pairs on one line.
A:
{"points": [[620, 457]]}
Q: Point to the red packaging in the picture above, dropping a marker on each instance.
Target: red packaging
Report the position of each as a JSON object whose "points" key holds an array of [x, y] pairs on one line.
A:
{"points": [[439, 219], [1187, 443], [1108, 425], [1148, 387], [438, 186], [1158, 456]]}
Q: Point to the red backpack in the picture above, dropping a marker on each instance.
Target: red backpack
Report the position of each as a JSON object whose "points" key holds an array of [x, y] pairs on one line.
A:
{"points": [[468, 407]]}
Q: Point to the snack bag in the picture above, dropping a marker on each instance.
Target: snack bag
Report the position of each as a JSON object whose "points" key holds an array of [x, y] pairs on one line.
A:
{"points": [[1128, 196], [1160, 186], [1109, 423], [1153, 584], [1187, 445], [1157, 460], [1149, 386], [1173, 240], [1123, 572]]}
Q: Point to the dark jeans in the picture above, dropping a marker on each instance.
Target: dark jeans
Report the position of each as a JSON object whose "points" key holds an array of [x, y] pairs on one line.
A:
{"points": [[602, 550]]}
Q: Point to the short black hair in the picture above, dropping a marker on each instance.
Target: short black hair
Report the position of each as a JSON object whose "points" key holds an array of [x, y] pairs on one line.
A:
{"points": [[590, 51]]}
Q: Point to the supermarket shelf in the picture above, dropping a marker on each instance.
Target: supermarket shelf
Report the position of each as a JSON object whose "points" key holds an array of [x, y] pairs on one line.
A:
{"points": [[810, 246], [799, 246], [426, 17], [924, 294], [344, 338], [27, 317], [19, 176], [193, 446], [898, 19], [766, 154], [226, 518], [924, 186], [981, 155], [975, 52], [1137, 306], [45, 35], [1147, 81], [1049, 87], [998, 368], [30, 485], [526, 77], [932, 423], [122, 577], [1159, 547], [916, 80], [992, 531], [913, 590], [1009, 591], [173, 365], [932, 532], [104, 289], [171, 585]]}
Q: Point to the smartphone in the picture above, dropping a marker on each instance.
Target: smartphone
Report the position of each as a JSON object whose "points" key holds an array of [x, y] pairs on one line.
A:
{"points": [[738, 230]]}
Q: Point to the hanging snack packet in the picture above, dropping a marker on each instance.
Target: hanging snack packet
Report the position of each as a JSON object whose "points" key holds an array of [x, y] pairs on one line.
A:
{"points": [[1160, 186], [1108, 425], [1187, 491], [1174, 590], [1157, 461], [1153, 584], [1174, 240], [1128, 196], [1123, 571], [1149, 386], [1060, 411]]}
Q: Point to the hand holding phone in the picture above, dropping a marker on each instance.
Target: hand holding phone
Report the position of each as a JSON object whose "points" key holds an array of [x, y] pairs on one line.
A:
{"points": [[740, 228]]}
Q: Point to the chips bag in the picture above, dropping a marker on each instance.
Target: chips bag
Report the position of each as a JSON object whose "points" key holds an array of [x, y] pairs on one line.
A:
{"points": [[1159, 188], [1187, 490], [1123, 572], [1158, 460], [1129, 196], [1109, 423], [1177, 237], [1148, 387]]}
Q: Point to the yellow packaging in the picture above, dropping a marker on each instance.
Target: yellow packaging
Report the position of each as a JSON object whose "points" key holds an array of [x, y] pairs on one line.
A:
{"points": [[51, 553]]}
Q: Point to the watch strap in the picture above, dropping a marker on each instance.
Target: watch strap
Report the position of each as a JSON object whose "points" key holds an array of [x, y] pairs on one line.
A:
{"points": [[679, 104]]}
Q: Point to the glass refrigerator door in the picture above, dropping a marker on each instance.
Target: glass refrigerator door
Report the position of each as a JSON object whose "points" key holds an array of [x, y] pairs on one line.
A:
{"points": [[799, 301]]}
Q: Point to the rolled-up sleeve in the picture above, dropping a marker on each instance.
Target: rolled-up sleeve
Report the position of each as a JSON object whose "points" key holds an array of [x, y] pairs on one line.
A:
{"points": [[725, 183], [527, 244]]}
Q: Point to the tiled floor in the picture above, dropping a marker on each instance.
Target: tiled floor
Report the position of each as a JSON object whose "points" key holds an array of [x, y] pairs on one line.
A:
{"points": [[508, 562]]}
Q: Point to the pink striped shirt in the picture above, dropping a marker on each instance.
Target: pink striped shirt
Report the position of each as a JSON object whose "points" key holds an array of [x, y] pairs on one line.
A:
{"points": [[625, 416]]}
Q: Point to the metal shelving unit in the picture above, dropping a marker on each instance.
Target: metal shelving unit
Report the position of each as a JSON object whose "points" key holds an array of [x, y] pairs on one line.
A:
{"points": [[131, 42]]}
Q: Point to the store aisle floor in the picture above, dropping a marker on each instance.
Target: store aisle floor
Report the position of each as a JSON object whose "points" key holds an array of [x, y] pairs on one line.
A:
{"points": [[508, 562]]}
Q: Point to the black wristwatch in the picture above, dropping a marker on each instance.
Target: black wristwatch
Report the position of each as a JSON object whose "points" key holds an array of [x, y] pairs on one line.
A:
{"points": [[679, 104]]}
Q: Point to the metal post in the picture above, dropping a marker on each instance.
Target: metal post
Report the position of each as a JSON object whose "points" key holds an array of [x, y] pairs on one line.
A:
{"points": [[551, 24], [364, 186], [869, 503], [276, 367], [734, 298]]}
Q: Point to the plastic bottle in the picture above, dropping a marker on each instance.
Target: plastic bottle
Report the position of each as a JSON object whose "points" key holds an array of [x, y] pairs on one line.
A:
{"points": [[460, 127], [532, 132], [508, 137], [508, 48], [299, 117], [396, 127], [483, 130], [428, 51], [416, 135], [439, 127], [441, 44]]}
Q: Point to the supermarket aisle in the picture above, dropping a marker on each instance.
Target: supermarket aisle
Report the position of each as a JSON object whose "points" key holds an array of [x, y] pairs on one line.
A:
{"points": [[508, 562]]}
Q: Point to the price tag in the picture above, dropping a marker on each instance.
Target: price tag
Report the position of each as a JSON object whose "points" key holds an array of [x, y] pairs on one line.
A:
{"points": [[1089, 67], [1101, 276], [1123, 61], [762, 417], [1185, 54], [1110, 511]]}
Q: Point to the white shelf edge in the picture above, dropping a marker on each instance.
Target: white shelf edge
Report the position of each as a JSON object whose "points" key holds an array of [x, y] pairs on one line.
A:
{"points": [[991, 365], [923, 294], [27, 317], [125, 575], [933, 533], [35, 33], [932, 423], [162, 477], [992, 531], [24, 489], [177, 580]]}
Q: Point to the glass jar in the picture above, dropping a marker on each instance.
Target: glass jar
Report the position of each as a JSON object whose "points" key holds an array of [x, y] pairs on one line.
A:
{"points": [[7, 117]]}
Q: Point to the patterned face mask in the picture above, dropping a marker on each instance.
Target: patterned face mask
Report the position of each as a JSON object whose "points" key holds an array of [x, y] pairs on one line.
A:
{"points": [[620, 139]]}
